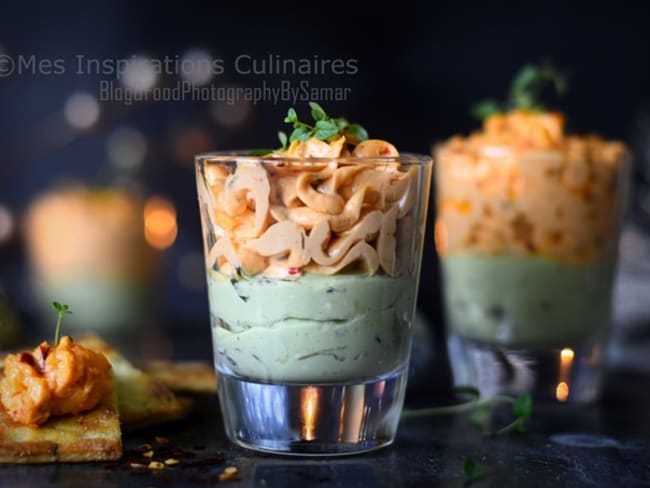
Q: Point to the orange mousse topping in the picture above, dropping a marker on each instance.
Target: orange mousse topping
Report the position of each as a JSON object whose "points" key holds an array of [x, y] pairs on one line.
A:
{"points": [[65, 379]]}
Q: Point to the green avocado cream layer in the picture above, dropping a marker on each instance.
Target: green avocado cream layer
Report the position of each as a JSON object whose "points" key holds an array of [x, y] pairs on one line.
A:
{"points": [[315, 329], [526, 301]]}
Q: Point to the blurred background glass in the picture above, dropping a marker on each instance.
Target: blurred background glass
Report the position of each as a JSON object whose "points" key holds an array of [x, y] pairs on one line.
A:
{"points": [[94, 250], [57, 131]]}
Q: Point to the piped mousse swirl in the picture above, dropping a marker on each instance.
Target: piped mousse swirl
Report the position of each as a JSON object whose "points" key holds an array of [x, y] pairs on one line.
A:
{"points": [[282, 219]]}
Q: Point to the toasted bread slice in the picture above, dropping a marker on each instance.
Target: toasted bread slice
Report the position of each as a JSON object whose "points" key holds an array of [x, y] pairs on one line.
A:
{"points": [[193, 377], [91, 436], [141, 399]]}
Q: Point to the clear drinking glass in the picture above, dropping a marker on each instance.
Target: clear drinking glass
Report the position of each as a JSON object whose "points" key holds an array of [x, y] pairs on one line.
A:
{"points": [[528, 246], [312, 268]]}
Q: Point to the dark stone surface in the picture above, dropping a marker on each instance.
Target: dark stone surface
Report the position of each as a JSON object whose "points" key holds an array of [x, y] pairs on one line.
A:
{"points": [[607, 444]]}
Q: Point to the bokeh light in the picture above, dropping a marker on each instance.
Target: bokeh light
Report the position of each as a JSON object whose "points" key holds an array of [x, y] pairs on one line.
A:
{"points": [[139, 74], [127, 148], [231, 114], [196, 66], [190, 141], [160, 228], [562, 391], [81, 110]]}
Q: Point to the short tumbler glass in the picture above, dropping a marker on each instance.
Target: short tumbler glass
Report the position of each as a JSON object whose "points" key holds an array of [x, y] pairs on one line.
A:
{"points": [[312, 269], [528, 247]]}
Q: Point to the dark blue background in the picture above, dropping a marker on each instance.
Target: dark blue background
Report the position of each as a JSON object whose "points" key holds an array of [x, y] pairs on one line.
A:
{"points": [[420, 68]]}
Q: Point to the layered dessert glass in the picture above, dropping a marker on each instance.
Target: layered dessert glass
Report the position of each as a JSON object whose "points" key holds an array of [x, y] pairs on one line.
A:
{"points": [[527, 230], [312, 261]]}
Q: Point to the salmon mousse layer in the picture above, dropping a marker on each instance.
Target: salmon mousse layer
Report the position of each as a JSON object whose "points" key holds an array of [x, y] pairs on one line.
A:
{"points": [[526, 229], [314, 258]]}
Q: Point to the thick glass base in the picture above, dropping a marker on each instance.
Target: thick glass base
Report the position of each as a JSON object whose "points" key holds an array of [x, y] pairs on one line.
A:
{"points": [[570, 374], [312, 419]]}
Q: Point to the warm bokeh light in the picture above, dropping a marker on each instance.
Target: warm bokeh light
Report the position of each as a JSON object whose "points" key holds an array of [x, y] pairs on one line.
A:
{"points": [[566, 361], [309, 407], [562, 391], [232, 113], [566, 356], [160, 229], [190, 141]]}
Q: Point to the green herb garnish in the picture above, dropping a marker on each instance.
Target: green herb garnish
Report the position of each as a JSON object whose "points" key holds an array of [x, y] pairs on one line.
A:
{"points": [[479, 408], [473, 471], [283, 138], [61, 310], [525, 91], [324, 128], [260, 152], [522, 409]]}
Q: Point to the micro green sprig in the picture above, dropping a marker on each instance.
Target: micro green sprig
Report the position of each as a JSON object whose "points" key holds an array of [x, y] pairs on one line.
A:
{"points": [[324, 127], [525, 91], [522, 410], [61, 310]]}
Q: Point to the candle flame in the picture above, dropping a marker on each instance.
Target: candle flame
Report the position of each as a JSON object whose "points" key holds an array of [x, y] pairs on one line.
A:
{"points": [[566, 361], [309, 407]]}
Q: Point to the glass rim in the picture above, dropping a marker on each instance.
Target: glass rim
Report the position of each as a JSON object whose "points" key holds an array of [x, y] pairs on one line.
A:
{"points": [[410, 159], [498, 150]]}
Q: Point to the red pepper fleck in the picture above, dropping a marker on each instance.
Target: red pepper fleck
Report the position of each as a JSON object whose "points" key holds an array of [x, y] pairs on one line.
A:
{"points": [[293, 270], [385, 151], [26, 357]]}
